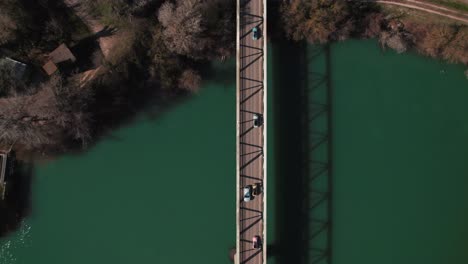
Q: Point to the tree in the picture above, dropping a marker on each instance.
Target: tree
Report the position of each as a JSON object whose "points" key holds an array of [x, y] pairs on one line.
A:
{"points": [[394, 40], [457, 49], [190, 80], [8, 27], [57, 112], [9, 85], [315, 20], [12, 19], [183, 26], [198, 29], [434, 39], [17, 124], [72, 103]]}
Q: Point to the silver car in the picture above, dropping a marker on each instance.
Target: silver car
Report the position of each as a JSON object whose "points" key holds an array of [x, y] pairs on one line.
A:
{"points": [[248, 193]]}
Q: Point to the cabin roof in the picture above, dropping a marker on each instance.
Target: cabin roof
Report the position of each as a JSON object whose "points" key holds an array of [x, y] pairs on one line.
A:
{"points": [[61, 54], [50, 67]]}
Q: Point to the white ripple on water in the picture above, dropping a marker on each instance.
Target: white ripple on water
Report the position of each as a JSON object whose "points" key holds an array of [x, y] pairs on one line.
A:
{"points": [[21, 239]]}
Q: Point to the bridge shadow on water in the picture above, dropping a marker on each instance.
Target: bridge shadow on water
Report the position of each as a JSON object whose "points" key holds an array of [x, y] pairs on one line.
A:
{"points": [[17, 203], [301, 87]]}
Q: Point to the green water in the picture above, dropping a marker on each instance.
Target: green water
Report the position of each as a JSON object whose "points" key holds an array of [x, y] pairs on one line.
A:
{"points": [[163, 191], [399, 144], [157, 191], [401, 149]]}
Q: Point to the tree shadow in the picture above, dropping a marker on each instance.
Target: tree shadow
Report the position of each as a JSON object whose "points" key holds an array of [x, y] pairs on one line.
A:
{"points": [[219, 72], [303, 153], [17, 203]]}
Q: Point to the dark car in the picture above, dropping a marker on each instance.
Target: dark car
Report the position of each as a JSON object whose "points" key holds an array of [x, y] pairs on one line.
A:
{"points": [[257, 242], [257, 189], [258, 120], [255, 33]]}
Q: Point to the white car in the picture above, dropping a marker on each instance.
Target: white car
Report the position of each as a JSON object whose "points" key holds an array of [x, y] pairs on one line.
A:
{"points": [[248, 193]]}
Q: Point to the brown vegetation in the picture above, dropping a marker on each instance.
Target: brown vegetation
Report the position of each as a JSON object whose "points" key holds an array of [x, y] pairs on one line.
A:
{"points": [[190, 80], [320, 21], [315, 21], [149, 47], [11, 19], [198, 29], [9, 85], [442, 41], [55, 114]]}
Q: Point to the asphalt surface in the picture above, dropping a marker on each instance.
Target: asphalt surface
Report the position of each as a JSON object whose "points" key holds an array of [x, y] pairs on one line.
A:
{"points": [[250, 139]]}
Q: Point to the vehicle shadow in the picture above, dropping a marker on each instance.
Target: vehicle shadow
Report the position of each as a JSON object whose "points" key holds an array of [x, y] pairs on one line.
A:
{"points": [[17, 203], [301, 87]]}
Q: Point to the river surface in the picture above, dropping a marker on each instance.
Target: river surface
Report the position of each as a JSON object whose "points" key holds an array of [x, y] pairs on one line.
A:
{"points": [[163, 190]]}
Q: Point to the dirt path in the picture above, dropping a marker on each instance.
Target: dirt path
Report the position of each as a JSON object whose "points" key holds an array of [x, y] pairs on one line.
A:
{"points": [[427, 7], [435, 6]]}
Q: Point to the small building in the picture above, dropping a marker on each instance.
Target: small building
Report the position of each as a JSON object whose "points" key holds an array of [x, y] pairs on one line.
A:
{"points": [[50, 68], [18, 68], [61, 54]]}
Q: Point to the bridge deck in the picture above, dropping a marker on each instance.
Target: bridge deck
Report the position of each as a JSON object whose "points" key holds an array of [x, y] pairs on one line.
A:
{"points": [[251, 141]]}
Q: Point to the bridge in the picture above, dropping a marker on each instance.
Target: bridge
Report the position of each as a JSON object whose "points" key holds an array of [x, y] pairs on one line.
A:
{"points": [[251, 131]]}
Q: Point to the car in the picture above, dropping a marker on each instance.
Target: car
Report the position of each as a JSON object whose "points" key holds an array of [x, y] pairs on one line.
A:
{"points": [[258, 120], [257, 242], [248, 193], [257, 189], [255, 33]]}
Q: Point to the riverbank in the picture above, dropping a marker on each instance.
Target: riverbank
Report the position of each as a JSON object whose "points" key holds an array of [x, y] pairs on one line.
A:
{"points": [[137, 193], [395, 29], [73, 107]]}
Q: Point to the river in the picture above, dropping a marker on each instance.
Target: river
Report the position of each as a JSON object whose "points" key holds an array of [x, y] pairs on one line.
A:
{"points": [[162, 190]]}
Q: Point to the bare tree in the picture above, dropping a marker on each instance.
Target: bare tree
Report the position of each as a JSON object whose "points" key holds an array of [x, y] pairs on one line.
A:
{"points": [[457, 49], [18, 124], [394, 41], [12, 20], [8, 27], [434, 39], [57, 112], [183, 26], [198, 28], [314, 20], [190, 80], [8, 82]]}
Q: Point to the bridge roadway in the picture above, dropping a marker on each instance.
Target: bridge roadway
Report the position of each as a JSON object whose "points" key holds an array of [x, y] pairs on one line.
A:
{"points": [[251, 141]]}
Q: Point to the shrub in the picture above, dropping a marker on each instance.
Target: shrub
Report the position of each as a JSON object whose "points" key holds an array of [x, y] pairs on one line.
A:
{"points": [[190, 80], [12, 20], [314, 20], [198, 29]]}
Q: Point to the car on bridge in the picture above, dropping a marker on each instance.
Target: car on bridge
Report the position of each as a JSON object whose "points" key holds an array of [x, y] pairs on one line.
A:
{"points": [[255, 33], [248, 193], [258, 120], [257, 242], [257, 188]]}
